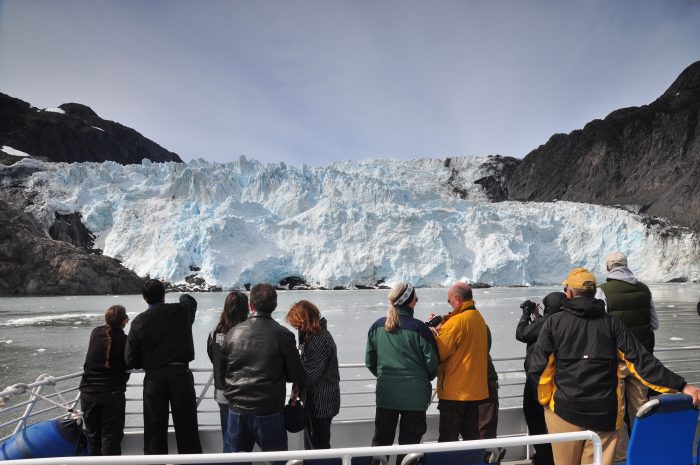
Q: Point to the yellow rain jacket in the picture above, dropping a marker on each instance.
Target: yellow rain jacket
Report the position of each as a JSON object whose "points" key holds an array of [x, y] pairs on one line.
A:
{"points": [[463, 348]]}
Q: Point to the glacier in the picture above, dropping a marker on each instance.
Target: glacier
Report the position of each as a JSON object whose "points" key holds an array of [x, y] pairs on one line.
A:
{"points": [[344, 224]]}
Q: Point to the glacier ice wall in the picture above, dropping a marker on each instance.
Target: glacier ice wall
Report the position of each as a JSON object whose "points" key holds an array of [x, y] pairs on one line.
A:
{"points": [[344, 223]]}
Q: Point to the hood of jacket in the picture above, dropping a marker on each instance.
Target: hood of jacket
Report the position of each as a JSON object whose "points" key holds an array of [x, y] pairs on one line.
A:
{"points": [[585, 307], [622, 273], [552, 302]]}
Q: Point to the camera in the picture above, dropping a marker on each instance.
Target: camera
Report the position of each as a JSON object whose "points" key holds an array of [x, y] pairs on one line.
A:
{"points": [[434, 321], [528, 306]]}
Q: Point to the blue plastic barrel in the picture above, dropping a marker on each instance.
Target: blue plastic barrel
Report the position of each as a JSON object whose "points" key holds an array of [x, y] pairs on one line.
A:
{"points": [[51, 438]]}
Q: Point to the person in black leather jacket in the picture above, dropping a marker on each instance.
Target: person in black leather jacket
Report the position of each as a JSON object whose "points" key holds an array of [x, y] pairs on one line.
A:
{"points": [[528, 330], [258, 357]]}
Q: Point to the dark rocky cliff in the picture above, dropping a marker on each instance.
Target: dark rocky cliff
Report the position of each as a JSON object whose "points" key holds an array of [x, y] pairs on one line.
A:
{"points": [[33, 264], [646, 158], [78, 135]]}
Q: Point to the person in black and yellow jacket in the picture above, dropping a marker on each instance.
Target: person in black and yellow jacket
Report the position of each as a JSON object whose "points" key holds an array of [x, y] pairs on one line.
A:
{"points": [[575, 367]]}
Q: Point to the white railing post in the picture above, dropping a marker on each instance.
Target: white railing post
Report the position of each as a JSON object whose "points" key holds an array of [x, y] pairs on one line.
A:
{"points": [[597, 449], [205, 389], [30, 406]]}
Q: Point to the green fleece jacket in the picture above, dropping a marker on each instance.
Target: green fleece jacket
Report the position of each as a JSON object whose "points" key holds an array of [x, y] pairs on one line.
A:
{"points": [[404, 362]]}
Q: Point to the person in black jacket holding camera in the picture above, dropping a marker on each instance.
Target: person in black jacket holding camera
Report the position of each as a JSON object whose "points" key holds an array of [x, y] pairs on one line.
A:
{"points": [[528, 330]]}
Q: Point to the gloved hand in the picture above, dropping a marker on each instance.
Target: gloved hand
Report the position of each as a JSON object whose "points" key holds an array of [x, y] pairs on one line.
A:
{"points": [[528, 307]]}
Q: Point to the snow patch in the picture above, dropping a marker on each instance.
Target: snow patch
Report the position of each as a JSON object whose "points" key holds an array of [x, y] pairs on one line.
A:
{"points": [[17, 153], [54, 110], [99, 129]]}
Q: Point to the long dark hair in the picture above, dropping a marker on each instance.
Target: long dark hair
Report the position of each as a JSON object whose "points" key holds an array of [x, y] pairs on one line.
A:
{"points": [[114, 316], [235, 311]]}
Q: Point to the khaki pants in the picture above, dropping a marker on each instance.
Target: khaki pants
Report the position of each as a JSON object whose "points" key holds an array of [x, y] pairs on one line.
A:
{"points": [[577, 452], [634, 395]]}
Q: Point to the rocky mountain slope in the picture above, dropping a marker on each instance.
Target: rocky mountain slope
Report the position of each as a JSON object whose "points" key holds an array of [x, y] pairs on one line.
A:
{"points": [[70, 133], [645, 158], [33, 264]]}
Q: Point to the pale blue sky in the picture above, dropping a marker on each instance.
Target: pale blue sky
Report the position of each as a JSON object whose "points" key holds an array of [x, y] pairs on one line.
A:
{"points": [[323, 80]]}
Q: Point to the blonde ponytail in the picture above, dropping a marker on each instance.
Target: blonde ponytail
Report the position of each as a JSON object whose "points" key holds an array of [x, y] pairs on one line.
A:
{"points": [[392, 319], [396, 294]]}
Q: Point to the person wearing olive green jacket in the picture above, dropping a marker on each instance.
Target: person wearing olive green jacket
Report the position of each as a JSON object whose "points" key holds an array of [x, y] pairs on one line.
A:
{"points": [[630, 300], [402, 354]]}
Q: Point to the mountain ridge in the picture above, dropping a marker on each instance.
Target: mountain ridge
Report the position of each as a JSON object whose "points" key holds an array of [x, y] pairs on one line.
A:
{"points": [[644, 159], [647, 156], [72, 133]]}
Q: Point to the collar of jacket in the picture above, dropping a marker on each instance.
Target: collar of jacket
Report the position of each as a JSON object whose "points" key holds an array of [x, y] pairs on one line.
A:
{"points": [[116, 327], [466, 305], [260, 315], [150, 306], [585, 307], [622, 273], [405, 310]]}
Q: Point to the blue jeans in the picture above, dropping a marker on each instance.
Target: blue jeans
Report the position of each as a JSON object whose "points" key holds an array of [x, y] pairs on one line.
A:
{"points": [[244, 431], [223, 415]]}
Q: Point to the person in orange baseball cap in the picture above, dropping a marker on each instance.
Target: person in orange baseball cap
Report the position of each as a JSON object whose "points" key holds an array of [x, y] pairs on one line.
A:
{"points": [[575, 368]]}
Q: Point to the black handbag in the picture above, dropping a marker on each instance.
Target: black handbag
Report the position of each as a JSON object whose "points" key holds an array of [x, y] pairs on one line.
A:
{"points": [[294, 416]]}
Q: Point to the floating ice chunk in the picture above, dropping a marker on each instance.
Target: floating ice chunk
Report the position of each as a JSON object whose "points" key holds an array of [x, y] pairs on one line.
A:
{"points": [[41, 350], [677, 339]]}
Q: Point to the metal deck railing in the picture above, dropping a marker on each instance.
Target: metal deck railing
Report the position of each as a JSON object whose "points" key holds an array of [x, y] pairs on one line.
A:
{"points": [[17, 413], [346, 454]]}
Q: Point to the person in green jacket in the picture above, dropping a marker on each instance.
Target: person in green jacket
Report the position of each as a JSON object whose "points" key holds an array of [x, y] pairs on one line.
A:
{"points": [[402, 353], [630, 300]]}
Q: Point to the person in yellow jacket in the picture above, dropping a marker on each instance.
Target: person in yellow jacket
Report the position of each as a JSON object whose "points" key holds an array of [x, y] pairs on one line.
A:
{"points": [[462, 377]]}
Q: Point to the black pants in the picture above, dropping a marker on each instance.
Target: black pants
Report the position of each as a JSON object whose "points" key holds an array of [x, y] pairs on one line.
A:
{"points": [[534, 417], [317, 434], [412, 427], [103, 414], [458, 417], [172, 385]]}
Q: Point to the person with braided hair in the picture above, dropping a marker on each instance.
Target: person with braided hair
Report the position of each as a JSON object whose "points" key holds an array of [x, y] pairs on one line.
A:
{"points": [[103, 384]]}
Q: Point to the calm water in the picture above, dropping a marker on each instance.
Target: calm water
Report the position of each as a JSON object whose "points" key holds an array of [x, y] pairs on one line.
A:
{"points": [[50, 334]]}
